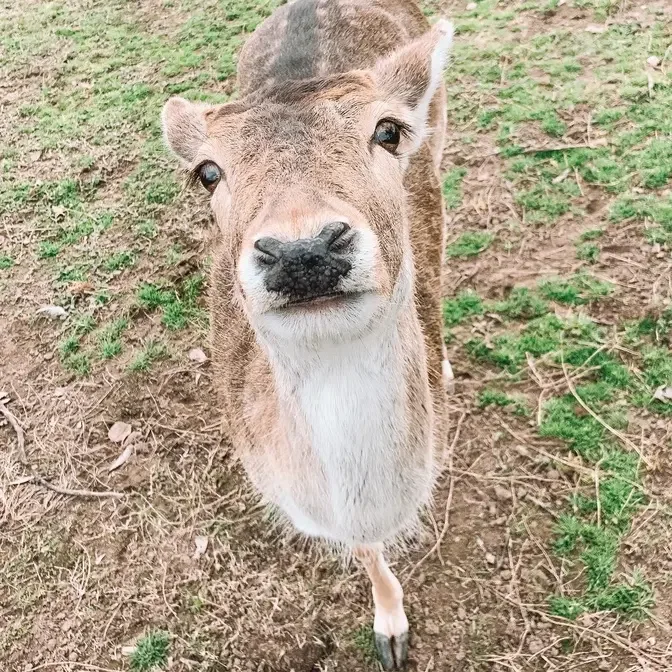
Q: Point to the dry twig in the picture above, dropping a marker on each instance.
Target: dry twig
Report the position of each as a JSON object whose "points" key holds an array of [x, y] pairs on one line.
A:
{"points": [[20, 437]]}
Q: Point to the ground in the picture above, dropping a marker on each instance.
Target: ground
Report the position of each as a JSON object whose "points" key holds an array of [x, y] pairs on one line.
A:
{"points": [[549, 544]]}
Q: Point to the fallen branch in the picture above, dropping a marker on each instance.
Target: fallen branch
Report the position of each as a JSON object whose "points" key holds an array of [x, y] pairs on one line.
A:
{"points": [[67, 491], [20, 437]]}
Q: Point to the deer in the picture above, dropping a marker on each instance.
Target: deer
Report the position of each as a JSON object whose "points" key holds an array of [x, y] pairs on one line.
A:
{"points": [[325, 288]]}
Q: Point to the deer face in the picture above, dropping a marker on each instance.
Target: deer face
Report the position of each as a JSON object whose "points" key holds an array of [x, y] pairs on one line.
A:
{"points": [[307, 184]]}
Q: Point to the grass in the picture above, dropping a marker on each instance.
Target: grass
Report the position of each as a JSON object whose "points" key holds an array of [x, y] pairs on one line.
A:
{"points": [[151, 652], [470, 244], [575, 291], [465, 304], [492, 397], [6, 262], [151, 352], [364, 642], [178, 305]]}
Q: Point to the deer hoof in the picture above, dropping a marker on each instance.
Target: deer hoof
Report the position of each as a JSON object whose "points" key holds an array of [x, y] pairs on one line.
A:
{"points": [[392, 651]]}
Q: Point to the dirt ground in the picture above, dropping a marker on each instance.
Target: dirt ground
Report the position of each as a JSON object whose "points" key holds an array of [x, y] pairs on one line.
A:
{"points": [[98, 553]]}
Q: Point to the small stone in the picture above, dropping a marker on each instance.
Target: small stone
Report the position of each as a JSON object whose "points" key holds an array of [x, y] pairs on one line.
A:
{"points": [[534, 646], [653, 61], [502, 493], [48, 356], [461, 613], [554, 474], [506, 574], [490, 558], [51, 644], [604, 665], [460, 655], [73, 656], [197, 355], [431, 628], [595, 29], [471, 6]]}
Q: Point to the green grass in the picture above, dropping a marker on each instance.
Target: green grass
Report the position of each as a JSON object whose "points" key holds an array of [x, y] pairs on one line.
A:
{"points": [[109, 339], [152, 352], [452, 187], [5, 262], [521, 303], [177, 304], [364, 642], [465, 304], [575, 291], [588, 252], [151, 652], [492, 397], [470, 243]]}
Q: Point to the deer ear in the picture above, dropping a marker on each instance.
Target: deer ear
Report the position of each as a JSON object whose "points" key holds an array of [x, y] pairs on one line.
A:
{"points": [[412, 75], [184, 127]]}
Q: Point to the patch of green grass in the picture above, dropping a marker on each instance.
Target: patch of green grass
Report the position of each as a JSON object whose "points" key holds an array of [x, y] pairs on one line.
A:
{"points": [[575, 291], [48, 249], [465, 304], [178, 305], [109, 339], [553, 125], [364, 642], [491, 397], [151, 651], [588, 252], [5, 262], [146, 229], [452, 187], [521, 304], [470, 243], [83, 324], [152, 352], [119, 261], [591, 234]]}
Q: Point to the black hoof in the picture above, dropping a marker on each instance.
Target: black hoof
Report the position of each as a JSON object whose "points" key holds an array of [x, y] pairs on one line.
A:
{"points": [[392, 652]]}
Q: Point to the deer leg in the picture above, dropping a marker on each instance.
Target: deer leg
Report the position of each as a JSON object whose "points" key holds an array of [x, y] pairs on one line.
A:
{"points": [[447, 370], [390, 625]]}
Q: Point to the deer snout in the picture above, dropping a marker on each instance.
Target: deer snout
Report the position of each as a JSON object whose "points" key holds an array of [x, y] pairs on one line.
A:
{"points": [[307, 268]]}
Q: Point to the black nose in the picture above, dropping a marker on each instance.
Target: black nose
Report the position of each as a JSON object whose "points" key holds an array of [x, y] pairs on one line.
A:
{"points": [[308, 268]]}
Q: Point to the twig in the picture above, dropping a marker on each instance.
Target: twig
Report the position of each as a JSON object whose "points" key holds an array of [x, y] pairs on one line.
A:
{"points": [[449, 501], [68, 491], [561, 148], [20, 437]]}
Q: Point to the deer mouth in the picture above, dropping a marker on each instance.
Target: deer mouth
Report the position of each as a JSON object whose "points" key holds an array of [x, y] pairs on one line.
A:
{"points": [[331, 300]]}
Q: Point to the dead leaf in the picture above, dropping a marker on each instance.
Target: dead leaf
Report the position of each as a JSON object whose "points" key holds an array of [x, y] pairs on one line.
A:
{"points": [[122, 459], [663, 393], [79, 288], [118, 432], [132, 438], [53, 312], [197, 355], [201, 546], [559, 178], [595, 29]]}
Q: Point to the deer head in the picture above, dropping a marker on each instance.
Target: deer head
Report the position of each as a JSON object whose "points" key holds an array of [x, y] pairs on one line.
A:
{"points": [[307, 184]]}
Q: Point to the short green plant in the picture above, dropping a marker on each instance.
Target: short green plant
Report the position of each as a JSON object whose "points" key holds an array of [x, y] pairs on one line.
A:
{"points": [[491, 397], [452, 187], [153, 351], [521, 303], [5, 262], [575, 291], [151, 652], [465, 304], [364, 641], [470, 243]]}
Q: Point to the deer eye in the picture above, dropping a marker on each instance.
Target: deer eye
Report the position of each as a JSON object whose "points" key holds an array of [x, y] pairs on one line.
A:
{"points": [[387, 135], [209, 175]]}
